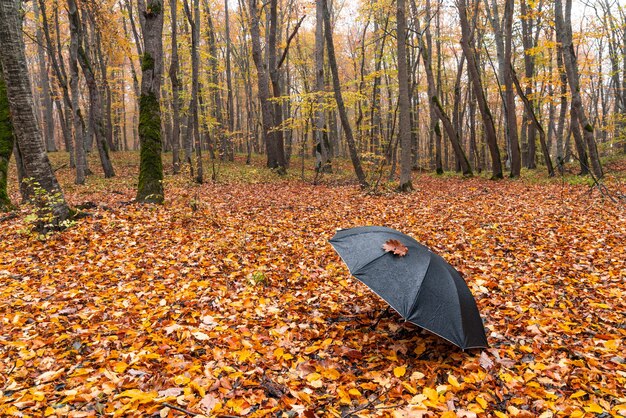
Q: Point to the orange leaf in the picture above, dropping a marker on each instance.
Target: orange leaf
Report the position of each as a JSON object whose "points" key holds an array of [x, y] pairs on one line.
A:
{"points": [[396, 247]]}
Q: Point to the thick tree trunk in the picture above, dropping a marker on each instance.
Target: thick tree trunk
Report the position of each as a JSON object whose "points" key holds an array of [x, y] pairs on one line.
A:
{"points": [[343, 115], [19, 93], [474, 75], [564, 36], [7, 141], [150, 187]]}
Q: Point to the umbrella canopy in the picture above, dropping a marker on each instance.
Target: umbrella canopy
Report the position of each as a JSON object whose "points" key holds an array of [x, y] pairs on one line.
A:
{"points": [[420, 285]]}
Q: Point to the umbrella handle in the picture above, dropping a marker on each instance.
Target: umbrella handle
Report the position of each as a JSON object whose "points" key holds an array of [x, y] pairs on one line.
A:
{"points": [[375, 324]]}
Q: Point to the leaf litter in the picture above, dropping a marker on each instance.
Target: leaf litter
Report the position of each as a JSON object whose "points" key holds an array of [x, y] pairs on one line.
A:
{"points": [[242, 308]]}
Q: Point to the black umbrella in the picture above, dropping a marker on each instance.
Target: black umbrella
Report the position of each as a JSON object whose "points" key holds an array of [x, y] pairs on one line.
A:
{"points": [[420, 285]]}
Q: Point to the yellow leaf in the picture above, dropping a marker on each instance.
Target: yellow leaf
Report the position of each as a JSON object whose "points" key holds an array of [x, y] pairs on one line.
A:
{"points": [[354, 392], [244, 355], [181, 380], [431, 394], [594, 407], [137, 395], [313, 377], [412, 390], [399, 371], [49, 411], [278, 353], [120, 367], [577, 413], [578, 394], [448, 414], [453, 381], [331, 374], [612, 344], [500, 414], [481, 402]]}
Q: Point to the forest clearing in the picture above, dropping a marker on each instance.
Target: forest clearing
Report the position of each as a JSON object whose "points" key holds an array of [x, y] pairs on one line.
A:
{"points": [[228, 300]]}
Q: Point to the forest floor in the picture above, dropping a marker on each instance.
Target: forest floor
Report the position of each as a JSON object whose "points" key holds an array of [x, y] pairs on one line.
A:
{"points": [[229, 301]]}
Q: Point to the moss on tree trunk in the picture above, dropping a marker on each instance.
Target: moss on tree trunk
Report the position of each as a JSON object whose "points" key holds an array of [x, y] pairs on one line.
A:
{"points": [[150, 189], [6, 145]]}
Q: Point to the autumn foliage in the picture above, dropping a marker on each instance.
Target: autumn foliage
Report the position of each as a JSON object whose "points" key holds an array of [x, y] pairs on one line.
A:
{"points": [[227, 300]]}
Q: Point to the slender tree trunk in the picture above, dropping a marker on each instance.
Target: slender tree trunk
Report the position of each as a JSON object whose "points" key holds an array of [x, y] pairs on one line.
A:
{"points": [[564, 37], [274, 75], [343, 115], [176, 89], [229, 86], [511, 118], [97, 119], [150, 187], [437, 110], [474, 75], [19, 93], [193, 16], [270, 135], [323, 162], [221, 139], [78, 122], [537, 125], [44, 80], [404, 132]]}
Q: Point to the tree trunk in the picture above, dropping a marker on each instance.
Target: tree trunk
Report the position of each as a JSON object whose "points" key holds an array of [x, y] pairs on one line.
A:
{"points": [[194, 122], [176, 89], [44, 80], [437, 111], [322, 157], [474, 75], [7, 141], [274, 75], [511, 119], [564, 37], [150, 187], [267, 108], [221, 140], [19, 94], [97, 119], [77, 118], [229, 86], [529, 109], [343, 115], [404, 132]]}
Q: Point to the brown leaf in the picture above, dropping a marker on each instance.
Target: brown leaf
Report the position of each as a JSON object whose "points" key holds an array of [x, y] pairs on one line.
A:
{"points": [[396, 247]]}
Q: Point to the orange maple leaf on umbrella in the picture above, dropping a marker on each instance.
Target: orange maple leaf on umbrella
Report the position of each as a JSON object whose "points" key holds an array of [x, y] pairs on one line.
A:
{"points": [[396, 247]]}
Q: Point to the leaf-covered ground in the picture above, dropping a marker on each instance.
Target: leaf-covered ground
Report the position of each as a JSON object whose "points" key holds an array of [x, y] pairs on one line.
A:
{"points": [[229, 301]]}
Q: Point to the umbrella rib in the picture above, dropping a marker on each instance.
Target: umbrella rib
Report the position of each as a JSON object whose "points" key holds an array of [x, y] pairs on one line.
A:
{"points": [[421, 287]]}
